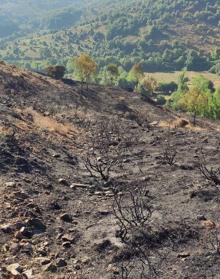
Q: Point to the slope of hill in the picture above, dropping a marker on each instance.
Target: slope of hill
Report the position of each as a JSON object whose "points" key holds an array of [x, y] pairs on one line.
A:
{"points": [[163, 35], [19, 18], [58, 221]]}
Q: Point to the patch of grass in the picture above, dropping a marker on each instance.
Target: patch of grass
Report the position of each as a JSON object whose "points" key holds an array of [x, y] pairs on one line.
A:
{"points": [[173, 76], [50, 124]]}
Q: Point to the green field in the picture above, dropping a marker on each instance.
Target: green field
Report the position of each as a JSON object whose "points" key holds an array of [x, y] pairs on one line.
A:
{"points": [[173, 76]]}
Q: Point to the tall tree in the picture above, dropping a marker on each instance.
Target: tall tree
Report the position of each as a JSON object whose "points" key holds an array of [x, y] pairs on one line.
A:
{"points": [[113, 71], [136, 73], [149, 84], [182, 83], [196, 102], [86, 68]]}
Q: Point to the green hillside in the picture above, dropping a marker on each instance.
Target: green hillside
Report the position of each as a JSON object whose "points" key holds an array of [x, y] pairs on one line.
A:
{"points": [[163, 35], [19, 18]]}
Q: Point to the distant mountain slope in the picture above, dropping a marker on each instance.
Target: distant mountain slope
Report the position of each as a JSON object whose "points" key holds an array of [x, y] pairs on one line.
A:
{"points": [[164, 35], [30, 8], [7, 26], [31, 16]]}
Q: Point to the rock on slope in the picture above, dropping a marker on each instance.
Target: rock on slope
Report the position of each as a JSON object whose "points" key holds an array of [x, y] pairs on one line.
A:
{"points": [[56, 221]]}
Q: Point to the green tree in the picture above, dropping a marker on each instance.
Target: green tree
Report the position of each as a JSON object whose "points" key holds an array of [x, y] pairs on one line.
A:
{"points": [[216, 104], [167, 88], [86, 68], [136, 73], [196, 62], [176, 97], [70, 66], [146, 87], [113, 71], [196, 102], [202, 84], [182, 83], [149, 84], [215, 54]]}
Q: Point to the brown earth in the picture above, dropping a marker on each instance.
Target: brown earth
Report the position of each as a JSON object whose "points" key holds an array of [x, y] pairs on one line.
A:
{"points": [[56, 221]]}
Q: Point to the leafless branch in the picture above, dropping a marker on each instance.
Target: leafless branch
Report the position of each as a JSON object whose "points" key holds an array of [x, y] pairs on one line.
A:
{"points": [[210, 174], [169, 154], [132, 211], [105, 148]]}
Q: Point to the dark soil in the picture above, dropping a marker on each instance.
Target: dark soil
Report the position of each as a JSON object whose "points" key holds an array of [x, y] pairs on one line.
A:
{"points": [[56, 221]]}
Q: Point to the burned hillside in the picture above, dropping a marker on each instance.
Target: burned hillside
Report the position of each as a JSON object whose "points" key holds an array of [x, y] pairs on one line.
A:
{"points": [[100, 184]]}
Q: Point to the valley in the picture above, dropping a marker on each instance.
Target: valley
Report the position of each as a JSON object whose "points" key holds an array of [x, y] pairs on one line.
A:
{"points": [[162, 36], [109, 139]]}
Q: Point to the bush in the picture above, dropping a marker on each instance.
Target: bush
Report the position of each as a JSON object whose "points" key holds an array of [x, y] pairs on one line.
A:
{"points": [[216, 68], [167, 88], [161, 100], [56, 72], [127, 85]]}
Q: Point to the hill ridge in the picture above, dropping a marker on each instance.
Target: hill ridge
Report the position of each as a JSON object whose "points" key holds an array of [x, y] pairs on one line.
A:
{"points": [[163, 36]]}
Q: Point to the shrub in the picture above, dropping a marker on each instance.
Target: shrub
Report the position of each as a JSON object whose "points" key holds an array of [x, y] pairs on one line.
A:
{"points": [[167, 88], [126, 85], [161, 100], [113, 72], [216, 68], [56, 72]]}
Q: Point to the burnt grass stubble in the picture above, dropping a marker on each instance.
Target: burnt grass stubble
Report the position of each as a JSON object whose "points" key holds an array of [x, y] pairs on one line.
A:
{"points": [[124, 200]]}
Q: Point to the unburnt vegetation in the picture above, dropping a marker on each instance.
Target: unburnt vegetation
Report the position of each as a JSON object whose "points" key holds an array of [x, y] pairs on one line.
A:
{"points": [[164, 36]]}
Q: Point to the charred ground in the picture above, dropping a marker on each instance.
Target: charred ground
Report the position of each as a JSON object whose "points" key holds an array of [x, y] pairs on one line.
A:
{"points": [[154, 215]]}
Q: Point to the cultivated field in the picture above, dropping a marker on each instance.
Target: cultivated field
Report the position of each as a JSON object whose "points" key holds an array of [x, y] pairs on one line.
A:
{"points": [[173, 76]]}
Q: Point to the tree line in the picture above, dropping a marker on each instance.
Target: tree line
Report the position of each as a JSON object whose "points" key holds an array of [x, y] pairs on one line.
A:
{"points": [[145, 32], [199, 99]]}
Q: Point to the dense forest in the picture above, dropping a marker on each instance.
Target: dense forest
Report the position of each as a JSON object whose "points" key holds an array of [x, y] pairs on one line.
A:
{"points": [[162, 35]]}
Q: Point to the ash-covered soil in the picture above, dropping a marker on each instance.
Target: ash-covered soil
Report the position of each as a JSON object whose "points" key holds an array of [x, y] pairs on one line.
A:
{"points": [[152, 215]]}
